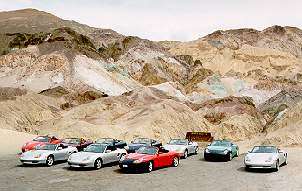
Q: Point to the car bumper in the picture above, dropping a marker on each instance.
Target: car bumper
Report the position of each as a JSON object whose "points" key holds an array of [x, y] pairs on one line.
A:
{"points": [[260, 165], [33, 161], [134, 166], [215, 156], [80, 164]]}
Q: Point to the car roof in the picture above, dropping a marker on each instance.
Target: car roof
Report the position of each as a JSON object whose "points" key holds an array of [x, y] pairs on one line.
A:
{"points": [[264, 146]]}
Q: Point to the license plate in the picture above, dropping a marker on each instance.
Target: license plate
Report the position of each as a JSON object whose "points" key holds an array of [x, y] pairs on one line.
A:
{"points": [[125, 166]]}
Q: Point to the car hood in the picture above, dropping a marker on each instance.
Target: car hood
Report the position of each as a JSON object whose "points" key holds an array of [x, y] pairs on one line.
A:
{"points": [[260, 157], [33, 153], [136, 156], [32, 144], [83, 155], [174, 147], [218, 148]]}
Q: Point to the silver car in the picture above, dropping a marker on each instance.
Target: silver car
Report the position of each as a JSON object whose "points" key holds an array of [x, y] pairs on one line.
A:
{"points": [[47, 154], [265, 157], [182, 146], [96, 155]]}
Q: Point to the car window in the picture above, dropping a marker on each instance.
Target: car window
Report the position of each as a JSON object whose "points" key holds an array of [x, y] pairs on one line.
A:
{"points": [[264, 149], [221, 143], [147, 150], [95, 148], [41, 139], [178, 142]]}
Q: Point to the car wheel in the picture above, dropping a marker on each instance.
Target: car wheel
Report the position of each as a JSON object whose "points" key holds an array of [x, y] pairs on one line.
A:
{"points": [[150, 167], [175, 162], [237, 153], [98, 164], [205, 157], [49, 160], [277, 166], [196, 150], [122, 155], [285, 162], [230, 157], [186, 154], [247, 168]]}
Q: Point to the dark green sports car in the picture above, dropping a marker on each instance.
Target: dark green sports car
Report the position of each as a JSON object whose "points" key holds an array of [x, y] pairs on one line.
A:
{"points": [[221, 149]]}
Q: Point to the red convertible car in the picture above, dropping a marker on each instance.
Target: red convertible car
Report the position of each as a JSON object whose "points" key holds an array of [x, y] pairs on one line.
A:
{"points": [[149, 158], [79, 143], [40, 140]]}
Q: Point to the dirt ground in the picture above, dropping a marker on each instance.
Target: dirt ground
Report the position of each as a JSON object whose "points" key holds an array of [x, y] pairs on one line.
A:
{"points": [[193, 174]]}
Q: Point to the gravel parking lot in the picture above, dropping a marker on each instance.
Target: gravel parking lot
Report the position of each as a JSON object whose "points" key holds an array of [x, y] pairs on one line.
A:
{"points": [[193, 174]]}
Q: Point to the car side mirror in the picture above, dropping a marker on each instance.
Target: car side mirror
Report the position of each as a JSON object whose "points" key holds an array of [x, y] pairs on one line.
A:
{"points": [[209, 144], [280, 151], [190, 143], [60, 148], [131, 142], [248, 151], [108, 151]]}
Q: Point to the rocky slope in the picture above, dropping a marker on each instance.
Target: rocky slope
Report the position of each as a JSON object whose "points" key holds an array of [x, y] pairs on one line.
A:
{"points": [[69, 79]]}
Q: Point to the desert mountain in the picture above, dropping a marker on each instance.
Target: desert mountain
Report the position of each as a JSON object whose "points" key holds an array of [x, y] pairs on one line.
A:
{"points": [[66, 78]]}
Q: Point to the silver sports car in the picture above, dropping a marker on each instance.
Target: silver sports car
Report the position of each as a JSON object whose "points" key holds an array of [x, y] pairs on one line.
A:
{"points": [[95, 155], [182, 146], [265, 157], [47, 154]]}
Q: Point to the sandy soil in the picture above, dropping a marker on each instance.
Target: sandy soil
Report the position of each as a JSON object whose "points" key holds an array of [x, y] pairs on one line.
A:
{"points": [[12, 141]]}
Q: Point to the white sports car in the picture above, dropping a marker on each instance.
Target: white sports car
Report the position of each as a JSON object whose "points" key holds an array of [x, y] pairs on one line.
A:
{"points": [[47, 154], [265, 157], [182, 146], [95, 155]]}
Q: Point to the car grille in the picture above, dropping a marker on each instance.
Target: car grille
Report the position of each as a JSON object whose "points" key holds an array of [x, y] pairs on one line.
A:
{"points": [[216, 151], [127, 161]]}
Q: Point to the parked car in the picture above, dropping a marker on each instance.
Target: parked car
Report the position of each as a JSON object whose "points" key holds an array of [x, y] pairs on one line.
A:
{"points": [[40, 140], [265, 157], [141, 142], [96, 155], [112, 142], [148, 158], [182, 146], [79, 143], [221, 149], [47, 154]]}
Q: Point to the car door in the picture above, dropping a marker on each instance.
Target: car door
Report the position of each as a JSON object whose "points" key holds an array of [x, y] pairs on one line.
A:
{"points": [[60, 153], [110, 154], [191, 147]]}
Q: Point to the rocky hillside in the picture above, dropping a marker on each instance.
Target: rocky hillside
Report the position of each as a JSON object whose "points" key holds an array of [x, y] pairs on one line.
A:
{"points": [[66, 78]]}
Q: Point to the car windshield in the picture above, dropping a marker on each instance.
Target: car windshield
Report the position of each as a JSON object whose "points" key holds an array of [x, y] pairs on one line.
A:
{"points": [[105, 140], [264, 149], [178, 142], [221, 143], [147, 150], [49, 147], [41, 139], [72, 141], [95, 148], [141, 141]]}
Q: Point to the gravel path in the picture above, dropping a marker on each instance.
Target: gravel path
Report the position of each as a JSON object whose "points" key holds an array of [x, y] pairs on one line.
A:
{"points": [[193, 174]]}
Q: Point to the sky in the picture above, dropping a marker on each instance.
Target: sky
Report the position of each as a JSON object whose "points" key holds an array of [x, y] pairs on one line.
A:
{"points": [[181, 20]]}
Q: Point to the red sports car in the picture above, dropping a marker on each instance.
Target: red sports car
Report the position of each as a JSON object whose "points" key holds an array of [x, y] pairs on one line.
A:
{"points": [[40, 140], [149, 158], [79, 143]]}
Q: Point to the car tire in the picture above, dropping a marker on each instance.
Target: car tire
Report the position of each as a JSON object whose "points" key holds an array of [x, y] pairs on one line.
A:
{"points": [[185, 154], [50, 160], [285, 162], [247, 168], [277, 166], [98, 163], [175, 162], [237, 153], [122, 155], [229, 156], [196, 150], [206, 158], [150, 166]]}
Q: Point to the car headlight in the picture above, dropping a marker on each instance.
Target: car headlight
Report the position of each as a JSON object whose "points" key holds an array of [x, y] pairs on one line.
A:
{"points": [[207, 150], [137, 161], [225, 152], [247, 159], [86, 159]]}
